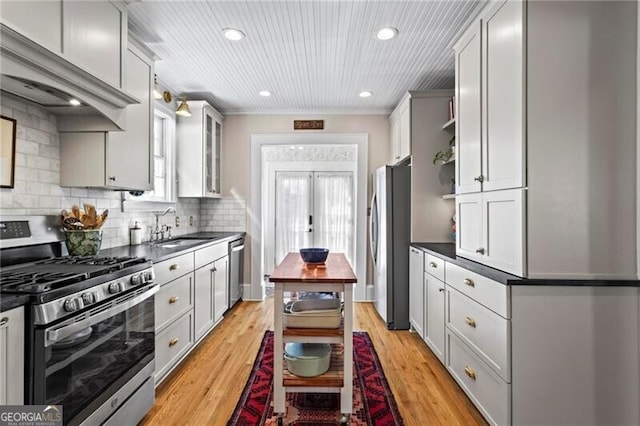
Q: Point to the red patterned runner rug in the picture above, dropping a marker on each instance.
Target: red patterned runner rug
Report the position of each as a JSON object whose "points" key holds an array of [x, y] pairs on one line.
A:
{"points": [[373, 402]]}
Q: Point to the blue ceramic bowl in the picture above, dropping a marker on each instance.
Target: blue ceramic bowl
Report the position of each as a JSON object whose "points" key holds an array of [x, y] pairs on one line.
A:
{"points": [[314, 255]]}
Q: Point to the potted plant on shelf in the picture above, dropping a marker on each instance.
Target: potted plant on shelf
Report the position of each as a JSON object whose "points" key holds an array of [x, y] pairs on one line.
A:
{"points": [[446, 156]]}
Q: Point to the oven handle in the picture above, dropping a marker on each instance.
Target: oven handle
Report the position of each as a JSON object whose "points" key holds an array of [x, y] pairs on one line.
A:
{"points": [[54, 335]]}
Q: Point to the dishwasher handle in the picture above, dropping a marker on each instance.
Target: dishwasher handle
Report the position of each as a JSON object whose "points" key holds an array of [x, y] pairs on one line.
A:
{"points": [[237, 248]]}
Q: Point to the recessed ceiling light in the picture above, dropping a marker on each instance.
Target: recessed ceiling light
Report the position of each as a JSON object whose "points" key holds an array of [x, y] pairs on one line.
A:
{"points": [[233, 34], [365, 94], [265, 93], [387, 33], [74, 102]]}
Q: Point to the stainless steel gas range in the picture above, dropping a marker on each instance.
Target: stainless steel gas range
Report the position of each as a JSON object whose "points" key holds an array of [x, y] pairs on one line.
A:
{"points": [[90, 325]]}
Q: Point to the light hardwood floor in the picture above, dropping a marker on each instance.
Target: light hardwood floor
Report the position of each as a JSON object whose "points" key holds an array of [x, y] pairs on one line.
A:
{"points": [[204, 389]]}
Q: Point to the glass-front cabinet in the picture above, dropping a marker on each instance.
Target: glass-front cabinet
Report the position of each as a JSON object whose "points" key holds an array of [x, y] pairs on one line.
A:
{"points": [[198, 142]]}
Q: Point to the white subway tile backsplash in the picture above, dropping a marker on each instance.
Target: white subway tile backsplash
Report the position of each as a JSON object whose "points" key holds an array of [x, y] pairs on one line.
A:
{"points": [[27, 147], [38, 136]]}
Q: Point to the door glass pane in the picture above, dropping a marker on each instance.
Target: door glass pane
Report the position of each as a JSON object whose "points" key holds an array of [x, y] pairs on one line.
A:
{"points": [[334, 213], [292, 211], [208, 179]]}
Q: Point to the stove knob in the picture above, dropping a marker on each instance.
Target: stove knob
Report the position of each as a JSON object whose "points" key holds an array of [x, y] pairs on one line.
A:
{"points": [[88, 298], [73, 304], [137, 279], [116, 287], [149, 276]]}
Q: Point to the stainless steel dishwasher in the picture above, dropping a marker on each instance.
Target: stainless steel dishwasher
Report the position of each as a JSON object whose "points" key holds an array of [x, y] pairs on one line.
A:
{"points": [[236, 270]]}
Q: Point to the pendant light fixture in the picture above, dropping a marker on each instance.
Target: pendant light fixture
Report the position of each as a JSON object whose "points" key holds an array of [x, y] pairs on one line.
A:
{"points": [[183, 108]]}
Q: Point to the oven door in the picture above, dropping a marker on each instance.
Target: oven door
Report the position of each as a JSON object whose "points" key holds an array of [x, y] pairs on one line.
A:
{"points": [[81, 362]]}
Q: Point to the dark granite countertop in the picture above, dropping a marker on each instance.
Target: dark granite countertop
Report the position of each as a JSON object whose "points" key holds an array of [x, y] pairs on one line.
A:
{"points": [[146, 250], [447, 251]]}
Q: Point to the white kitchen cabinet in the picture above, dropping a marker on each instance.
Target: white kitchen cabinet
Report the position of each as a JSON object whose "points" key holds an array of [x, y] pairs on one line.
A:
{"points": [[490, 96], [574, 158], [116, 160], [416, 290], [198, 141], [203, 315], [40, 21], [95, 38], [12, 357], [221, 287], [490, 229], [400, 121], [434, 301]]}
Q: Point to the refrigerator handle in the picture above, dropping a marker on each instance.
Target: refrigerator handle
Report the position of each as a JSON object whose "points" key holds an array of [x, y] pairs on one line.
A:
{"points": [[373, 243]]}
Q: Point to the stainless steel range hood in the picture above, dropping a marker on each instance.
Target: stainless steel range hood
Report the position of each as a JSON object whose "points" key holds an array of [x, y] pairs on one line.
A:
{"points": [[34, 73]]}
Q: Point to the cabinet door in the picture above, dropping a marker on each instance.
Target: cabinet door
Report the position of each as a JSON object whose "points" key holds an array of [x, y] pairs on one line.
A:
{"points": [[468, 121], [395, 138], [95, 38], [221, 299], [212, 137], [405, 129], [12, 357], [130, 152], [204, 300], [503, 229], [434, 315], [503, 92], [82, 159], [469, 226], [416, 290], [40, 21]]}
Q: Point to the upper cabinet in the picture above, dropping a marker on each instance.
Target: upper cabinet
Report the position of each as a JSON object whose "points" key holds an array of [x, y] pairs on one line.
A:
{"points": [[400, 121], [78, 48], [118, 159], [490, 98], [549, 150], [198, 140]]}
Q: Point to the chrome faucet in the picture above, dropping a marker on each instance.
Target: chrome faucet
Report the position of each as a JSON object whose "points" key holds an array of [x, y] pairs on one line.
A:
{"points": [[158, 233]]}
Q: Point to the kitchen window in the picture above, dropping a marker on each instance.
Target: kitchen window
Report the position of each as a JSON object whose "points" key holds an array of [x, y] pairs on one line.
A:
{"points": [[164, 167]]}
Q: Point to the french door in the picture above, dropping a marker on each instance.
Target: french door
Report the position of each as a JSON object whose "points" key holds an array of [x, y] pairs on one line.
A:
{"points": [[314, 209]]}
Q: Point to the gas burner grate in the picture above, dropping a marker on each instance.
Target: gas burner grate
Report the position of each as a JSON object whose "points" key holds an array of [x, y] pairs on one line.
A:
{"points": [[92, 260], [37, 282]]}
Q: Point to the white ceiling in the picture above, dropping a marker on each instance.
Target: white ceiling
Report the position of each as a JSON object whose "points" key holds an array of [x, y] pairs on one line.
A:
{"points": [[311, 55]]}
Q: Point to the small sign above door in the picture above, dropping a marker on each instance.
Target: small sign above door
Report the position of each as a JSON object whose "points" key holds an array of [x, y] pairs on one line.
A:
{"points": [[308, 124]]}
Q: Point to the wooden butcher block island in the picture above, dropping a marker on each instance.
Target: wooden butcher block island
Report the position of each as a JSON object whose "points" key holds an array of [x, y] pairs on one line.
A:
{"points": [[336, 276]]}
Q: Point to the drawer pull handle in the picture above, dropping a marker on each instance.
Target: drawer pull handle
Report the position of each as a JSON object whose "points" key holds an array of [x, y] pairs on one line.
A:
{"points": [[4, 320], [174, 267], [469, 372], [433, 264], [173, 341], [470, 322], [480, 250], [469, 282], [173, 299]]}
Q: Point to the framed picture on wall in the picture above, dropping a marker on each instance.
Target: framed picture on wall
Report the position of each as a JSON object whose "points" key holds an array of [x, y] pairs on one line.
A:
{"points": [[7, 151]]}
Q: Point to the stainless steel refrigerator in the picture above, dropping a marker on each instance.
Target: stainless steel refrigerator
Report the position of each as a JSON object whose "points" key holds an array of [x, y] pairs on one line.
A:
{"points": [[389, 233]]}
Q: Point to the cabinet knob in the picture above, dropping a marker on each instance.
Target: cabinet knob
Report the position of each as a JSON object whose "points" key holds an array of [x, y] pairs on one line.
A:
{"points": [[173, 341], [469, 372], [173, 299], [174, 267], [433, 264], [214, 269], [4, 320], [469, 282], [470, 322], [480, 250], [479, 179], [441, 290], [112, 178]]}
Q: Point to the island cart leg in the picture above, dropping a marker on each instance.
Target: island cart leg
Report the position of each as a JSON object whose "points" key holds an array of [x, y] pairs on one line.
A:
{"points": [[278, 388], [346, 394]]}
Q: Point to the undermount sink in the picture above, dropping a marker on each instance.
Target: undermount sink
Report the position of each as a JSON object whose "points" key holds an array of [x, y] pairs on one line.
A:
{"points": [[180, 242]]}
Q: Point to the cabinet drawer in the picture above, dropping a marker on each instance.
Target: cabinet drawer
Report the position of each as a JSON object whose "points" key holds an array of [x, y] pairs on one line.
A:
{"points": [[434, 266], [173, 299], [170, 269], [485, 291], [209, 254], [173, 343], [482, 329], [487, 390]]}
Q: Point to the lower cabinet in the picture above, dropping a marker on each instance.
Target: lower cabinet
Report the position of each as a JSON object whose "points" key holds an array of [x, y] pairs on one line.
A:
{"points": [[172, 344], [220, 287], [12, 357], [416, 290], [434, 335], [211, 295]]}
